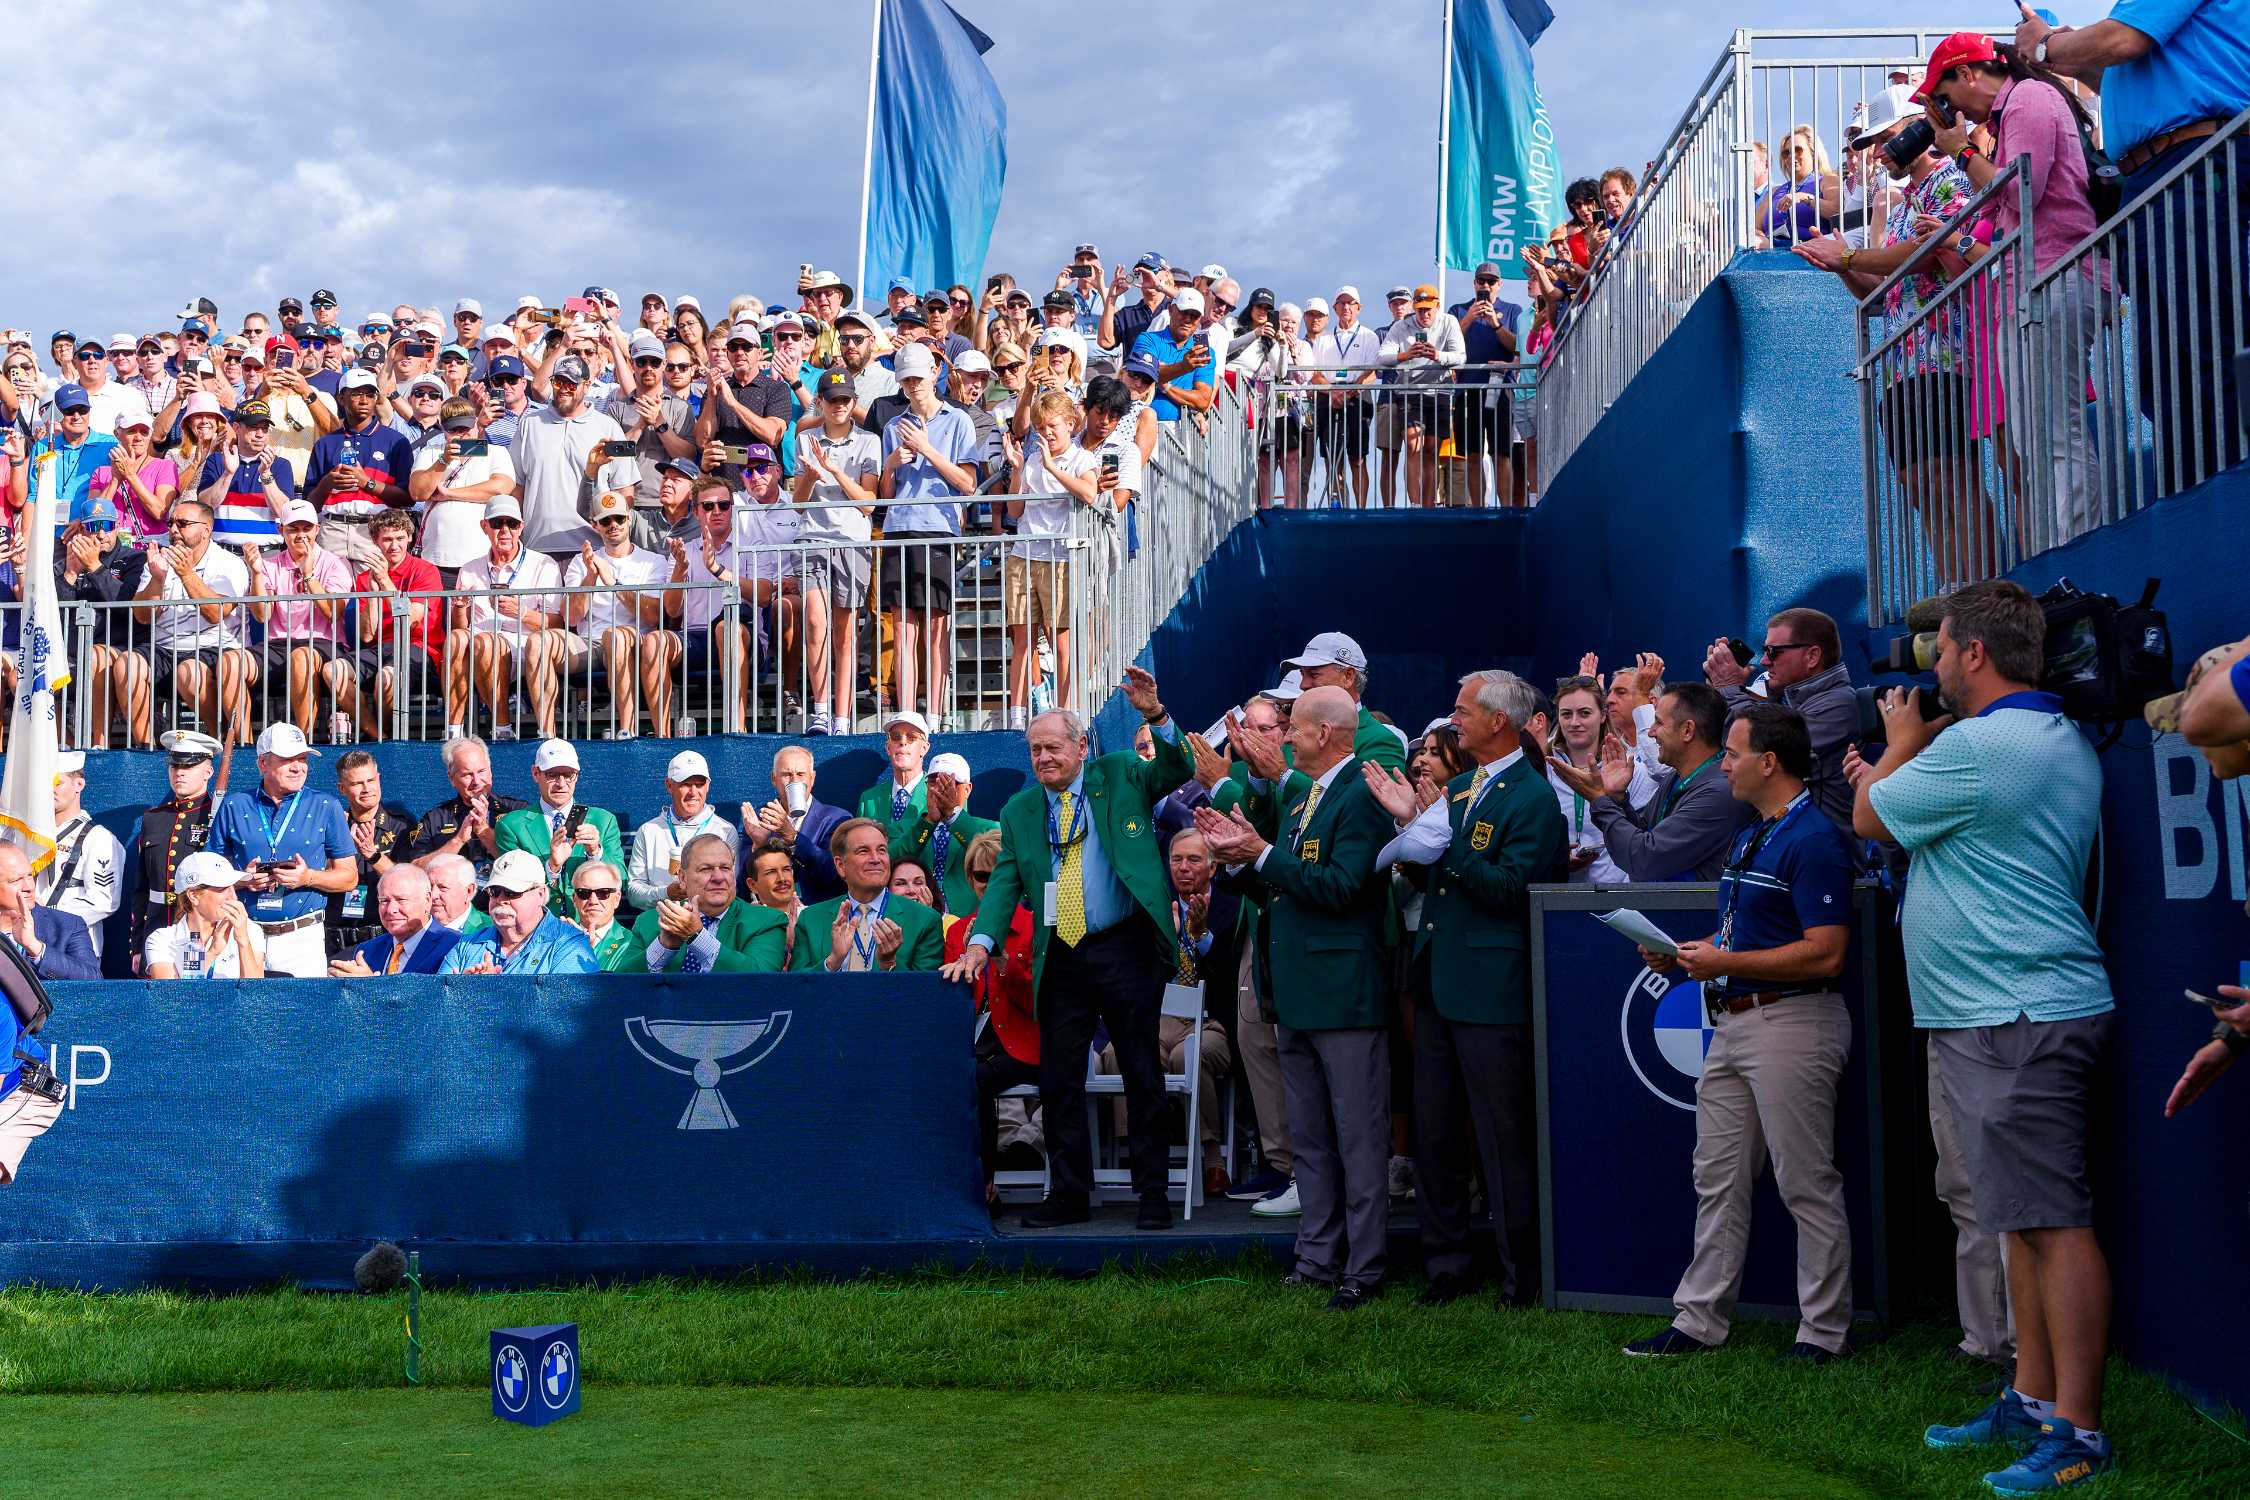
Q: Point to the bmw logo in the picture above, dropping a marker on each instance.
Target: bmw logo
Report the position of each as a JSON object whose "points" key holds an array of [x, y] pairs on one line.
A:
{"points": [[511, 1378], [558, 1375], [1666, 1033]]}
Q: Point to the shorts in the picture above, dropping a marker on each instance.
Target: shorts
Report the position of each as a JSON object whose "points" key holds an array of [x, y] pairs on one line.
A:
{"points": [[696, 656], [1390, 424], [1343, 429], [24, 1117], [2021, 1094], [1432, 413], [1035, 593], [1523, 420], [167, 665], [1926, 416], [839, 572], [368, 663], [274, 655], [918, 576]]}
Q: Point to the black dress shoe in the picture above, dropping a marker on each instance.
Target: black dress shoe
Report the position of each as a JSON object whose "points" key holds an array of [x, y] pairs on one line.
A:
{"points": [[1156, 1213], [1055, 1213], [1351, 1296], [1445, 1287]]}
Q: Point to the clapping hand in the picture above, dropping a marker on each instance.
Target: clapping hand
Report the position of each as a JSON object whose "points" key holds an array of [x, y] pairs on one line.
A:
{"points": [[1391, 788], [677, 924], [1262, 757], [1617, 769], [1210, 768], [363, 839], [889, 938], [1230, 836], [840, 934], [350, 966], [944, 796], [1648, 675]]}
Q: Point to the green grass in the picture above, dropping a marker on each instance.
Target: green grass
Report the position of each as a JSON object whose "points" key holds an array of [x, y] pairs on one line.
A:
{"points": [[1210, 1382]]}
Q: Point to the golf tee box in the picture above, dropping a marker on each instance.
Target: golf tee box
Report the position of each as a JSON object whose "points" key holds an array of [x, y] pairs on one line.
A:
{"points": [[535, 1373]]}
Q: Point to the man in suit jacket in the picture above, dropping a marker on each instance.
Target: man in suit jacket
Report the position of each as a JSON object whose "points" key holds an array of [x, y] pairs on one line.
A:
{"points": [[56, 942], [939, 838], [1329, 975], [560, 829], [1080, 850], [867, 928], [711, 930], [804, 835], [410, 943], [1496, 830], [904, 795]]}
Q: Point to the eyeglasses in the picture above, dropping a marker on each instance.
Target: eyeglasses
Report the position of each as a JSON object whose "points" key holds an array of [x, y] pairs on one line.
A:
{"points": [[851, 338], [679, 365], [184, 523], [1221, 304], [595, 892], [714, 505], [504, 524], [650, 362], [1773, 650]]}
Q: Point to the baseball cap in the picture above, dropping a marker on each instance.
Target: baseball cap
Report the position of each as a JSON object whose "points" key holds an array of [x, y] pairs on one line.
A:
{"points": [[300, 513], [757, 456], [503, 508], [1142, 365], [901, 284], [254, 411], [948, 763], [1059, 299], [205, 871], [357, 380], [498, 333], [686, 468], [453, 351], [1017, 294], [73, 394], [1315, 305], [468, 305], [516, 872], [552, 754], [1213, 272], [913, 363], [1190, 300], [910, 316], [1347, 290], [1290, 688], [1151, 262], [646, 345], [573, 369], [190, 744], [1425, 295], [2163, 714], [789, 320], [687, 299], [196, 325], [909, 718], [324, 298], [1398, 293], [123, 343], [504, 364], [201, 307], [971, 362], [427, 383], [686, 764], [854, 315], [936, 298], [285, 740], [201, 404], [93, 510], [94, 344], [1093, 250], [1331, 648], [61, 335], [1486, 268], [289, 305], [741, 331], [601, 294], [606, 504], [834, 383], [254, 355], [1961, 47], [1883, 111]]}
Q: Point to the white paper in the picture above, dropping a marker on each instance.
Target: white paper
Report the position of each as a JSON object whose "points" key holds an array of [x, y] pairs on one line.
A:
{"points": [[1640, 929]]}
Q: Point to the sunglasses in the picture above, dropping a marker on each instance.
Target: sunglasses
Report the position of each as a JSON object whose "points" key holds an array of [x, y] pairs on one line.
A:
{"points": [[851, 338], [651, 362], [230, 359], [504, 524], [1221, 304], [511, 380], [184, 523], [609, 521], [595, 892], [75, 411], [714, 505], [679, 365]]}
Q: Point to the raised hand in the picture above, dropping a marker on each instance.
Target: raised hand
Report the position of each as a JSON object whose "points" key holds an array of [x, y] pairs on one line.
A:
{"points": [[1393, 791], [1140, 691]]}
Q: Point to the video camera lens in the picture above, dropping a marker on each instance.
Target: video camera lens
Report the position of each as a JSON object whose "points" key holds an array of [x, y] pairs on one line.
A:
{"points": [[1910, 144]]}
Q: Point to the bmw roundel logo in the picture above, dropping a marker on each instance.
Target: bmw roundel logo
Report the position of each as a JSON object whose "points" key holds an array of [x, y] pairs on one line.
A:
{"points": [[511, 1378], [1666, 1033], [558, 1375]]}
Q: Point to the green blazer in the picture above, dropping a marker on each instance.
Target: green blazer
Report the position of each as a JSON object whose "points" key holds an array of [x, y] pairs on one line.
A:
{"points": [[1121, 791], [1476, 910], [526, 828], [1373, 740], [922, 952], [1324, 955], [875, 803], [913, 842], [752, 940], [621, 951]]}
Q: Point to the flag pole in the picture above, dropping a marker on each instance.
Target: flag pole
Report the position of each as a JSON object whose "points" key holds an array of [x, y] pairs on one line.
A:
{"points": [[1444, 133], [867, 167]]}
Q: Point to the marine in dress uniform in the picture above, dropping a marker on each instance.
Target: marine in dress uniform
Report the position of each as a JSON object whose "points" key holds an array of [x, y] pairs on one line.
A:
{"points": [[172, 830]]}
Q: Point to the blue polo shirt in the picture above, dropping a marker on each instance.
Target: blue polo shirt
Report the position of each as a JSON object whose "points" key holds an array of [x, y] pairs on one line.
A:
{"points": [[1159, 345], [72, 466], [252, 826], [1480, 341], [382, 451], [2199, 69], [954, 436], [1784, 877]]}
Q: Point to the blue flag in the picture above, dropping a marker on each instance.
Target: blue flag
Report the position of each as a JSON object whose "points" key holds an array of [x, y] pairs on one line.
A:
{"points": [[1503, 178], [939, 152]]}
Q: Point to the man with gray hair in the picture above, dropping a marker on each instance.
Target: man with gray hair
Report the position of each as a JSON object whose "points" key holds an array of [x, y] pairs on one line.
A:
{"points": [[467, 822], [411, 942], [1483, 841]]}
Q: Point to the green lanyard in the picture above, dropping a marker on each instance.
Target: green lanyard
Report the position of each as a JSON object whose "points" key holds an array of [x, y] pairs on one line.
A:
{"points": [[1680, 786]]}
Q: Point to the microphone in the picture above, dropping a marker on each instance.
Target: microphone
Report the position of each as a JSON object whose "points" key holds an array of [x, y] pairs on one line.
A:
{"points": [[381, 1268]]}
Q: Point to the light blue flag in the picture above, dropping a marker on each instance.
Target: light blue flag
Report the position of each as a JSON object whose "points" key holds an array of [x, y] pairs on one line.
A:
{"points": [[1503, 175], [939, 154]]}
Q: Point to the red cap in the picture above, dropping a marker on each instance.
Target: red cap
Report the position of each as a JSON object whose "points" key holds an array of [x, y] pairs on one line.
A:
{"points": [[279, 343], [1961, 47]]}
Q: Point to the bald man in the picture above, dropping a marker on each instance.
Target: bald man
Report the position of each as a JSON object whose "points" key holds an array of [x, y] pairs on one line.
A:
{"points": [[410, 942], [56, 942]]}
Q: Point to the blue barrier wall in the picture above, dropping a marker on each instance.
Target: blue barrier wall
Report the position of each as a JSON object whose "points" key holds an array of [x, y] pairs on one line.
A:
{"points": [[232, 1132]]}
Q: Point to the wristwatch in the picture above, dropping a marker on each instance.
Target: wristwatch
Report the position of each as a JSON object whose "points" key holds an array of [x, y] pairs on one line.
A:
{"points": [[2039, 53], [1849, 252], [2237, 1042], [1965, 244], [1967, 154]]}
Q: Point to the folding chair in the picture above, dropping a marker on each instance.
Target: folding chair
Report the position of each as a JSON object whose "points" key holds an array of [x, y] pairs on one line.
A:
{"points": [[1117, 1181]]}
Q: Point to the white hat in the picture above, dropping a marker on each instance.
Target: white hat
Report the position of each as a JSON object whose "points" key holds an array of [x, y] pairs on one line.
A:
{"points": [[468, 305], [1883, 111], [204, 870], [1347, 291], [300, 511], [1315, 305], [1331, 648], [191, 742], [285, 740], [910, 719], [1435, 725], [357, 380], [431, 381], [502, 508], [528, 302], [498, 333], [914, 362], [686, 764], [948, 763], [517, 871], [554, 753], [1190, 300], [67, 761], [646, 345], [1291, 689], [1213, 272], [687, 299], [971, 362]]}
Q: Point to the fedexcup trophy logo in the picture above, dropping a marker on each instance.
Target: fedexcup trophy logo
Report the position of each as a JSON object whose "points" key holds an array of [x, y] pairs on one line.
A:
{"points": [[1666, 1033], [707, 1051]]}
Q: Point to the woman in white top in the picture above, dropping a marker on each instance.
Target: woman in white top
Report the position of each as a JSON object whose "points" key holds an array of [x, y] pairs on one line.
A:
{"points": [[452, 482], [214, 938], [1579, 727]]}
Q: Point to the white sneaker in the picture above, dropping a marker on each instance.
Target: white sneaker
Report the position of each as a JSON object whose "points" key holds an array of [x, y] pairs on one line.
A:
{"points": [[1019, 719], [1280, 1205], [339, 729]]}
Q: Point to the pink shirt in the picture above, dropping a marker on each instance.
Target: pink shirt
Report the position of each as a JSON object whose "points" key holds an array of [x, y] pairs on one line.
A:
{"points": [[302, 620], [2035, 121]]}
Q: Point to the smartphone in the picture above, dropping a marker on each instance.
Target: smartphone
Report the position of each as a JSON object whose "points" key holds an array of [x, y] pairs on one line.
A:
{"points": [[2206, 1000], [1082, 273], [733, 453], [1109, 467], [804, 270], [620, 448], [994, 283], [473, 447], [579, 307]]}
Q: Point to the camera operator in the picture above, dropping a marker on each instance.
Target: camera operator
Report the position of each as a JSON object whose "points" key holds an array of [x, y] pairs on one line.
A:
{"points": [[1998, 809]]}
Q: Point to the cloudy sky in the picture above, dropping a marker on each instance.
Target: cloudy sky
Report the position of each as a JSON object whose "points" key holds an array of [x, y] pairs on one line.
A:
{"points": [[248, 149]]}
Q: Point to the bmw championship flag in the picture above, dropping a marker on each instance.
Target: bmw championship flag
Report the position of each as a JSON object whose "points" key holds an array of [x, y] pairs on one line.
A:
{"points": [[937, 150], [27, 792], [1501, 186]]}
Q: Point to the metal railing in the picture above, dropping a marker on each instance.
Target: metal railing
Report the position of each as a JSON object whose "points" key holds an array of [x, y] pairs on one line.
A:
{"points": [[1701, 203], [1332, 441]]}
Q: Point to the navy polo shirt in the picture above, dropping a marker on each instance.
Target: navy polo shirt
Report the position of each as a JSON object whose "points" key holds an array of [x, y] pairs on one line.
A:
{"points": [[252, 826], [1783, 877], [382, 451], [1480, 341]]}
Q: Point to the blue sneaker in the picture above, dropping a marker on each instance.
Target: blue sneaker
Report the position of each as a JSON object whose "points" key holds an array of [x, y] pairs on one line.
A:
{"points": [[2061, 1460], [1258, 1185], [2004, 1421], [1663, 1345]]}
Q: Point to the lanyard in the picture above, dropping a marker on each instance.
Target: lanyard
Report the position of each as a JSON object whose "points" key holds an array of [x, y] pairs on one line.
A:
{"points": [[1058, 837], [1672, 793], [275, 835], [1728, 878], [863, 932], [694, 829]]}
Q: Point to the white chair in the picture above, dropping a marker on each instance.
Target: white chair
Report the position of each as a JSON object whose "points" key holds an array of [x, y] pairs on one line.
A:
{"points": [[1117, 1181]]}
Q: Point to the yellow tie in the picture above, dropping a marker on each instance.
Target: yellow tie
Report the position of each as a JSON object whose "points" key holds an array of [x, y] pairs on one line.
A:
{"points": [[1312, 804], [1070, 885], [1476, 785], [398, 951]]}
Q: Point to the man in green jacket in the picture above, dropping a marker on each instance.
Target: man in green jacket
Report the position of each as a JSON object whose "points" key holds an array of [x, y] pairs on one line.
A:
{"points": [[1333, 659], [1495, 832], [867, 928], [1328, 972], [597, 887], [711, 930], [939, 838], [558, 828], [1080, 850], [903, 796]]}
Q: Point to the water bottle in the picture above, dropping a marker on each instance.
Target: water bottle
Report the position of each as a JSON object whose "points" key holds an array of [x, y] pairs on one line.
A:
{"points": [[194, 959]]}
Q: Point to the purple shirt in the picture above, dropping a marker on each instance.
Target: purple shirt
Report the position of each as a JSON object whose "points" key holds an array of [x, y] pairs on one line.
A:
{"points": [[2035, 121]]}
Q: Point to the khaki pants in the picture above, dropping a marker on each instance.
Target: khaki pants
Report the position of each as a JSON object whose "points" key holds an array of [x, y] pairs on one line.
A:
{"points": [[1261, 1068], [1171, 1045], [1769, 1088], [24, 1117], [1980, 1268]]}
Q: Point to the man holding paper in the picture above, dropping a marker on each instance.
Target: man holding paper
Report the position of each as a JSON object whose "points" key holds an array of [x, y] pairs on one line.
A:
{"points": [[1780, 1034]]}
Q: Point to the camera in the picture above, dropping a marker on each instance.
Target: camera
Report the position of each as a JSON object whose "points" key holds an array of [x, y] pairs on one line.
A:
{"points": [[1908, 146]]}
